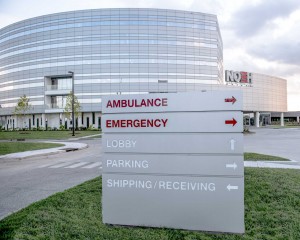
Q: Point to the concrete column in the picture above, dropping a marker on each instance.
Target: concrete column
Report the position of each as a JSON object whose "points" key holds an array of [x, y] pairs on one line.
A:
{"points": [[257, 119], [297, 119], [282, 119], [17, 125], [79, 120], [60, 119]]}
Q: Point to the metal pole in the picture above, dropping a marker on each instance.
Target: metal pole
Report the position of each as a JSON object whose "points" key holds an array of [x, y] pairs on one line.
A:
{"points": [[73, 118]]}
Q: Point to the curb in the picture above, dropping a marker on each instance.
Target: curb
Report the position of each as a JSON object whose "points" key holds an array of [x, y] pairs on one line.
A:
{"points": [[43, 152], [90, 136]]}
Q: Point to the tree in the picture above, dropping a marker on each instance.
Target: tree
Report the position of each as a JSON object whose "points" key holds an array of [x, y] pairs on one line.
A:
{"points": [[23, 106], [68, 107]]}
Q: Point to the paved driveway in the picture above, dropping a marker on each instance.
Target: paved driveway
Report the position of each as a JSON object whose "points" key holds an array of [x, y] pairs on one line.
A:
{"points": [[283, 142], [26, 181]]}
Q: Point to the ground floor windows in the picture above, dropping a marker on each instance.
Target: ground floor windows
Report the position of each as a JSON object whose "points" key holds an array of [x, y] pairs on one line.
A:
{"points": [[51, 121], [93, 118], [99, 122], [87, 122]]}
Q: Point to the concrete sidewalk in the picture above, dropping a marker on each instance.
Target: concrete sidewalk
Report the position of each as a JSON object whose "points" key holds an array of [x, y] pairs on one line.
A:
{"points": [[89, 136], [43, 152], [273, 164]]}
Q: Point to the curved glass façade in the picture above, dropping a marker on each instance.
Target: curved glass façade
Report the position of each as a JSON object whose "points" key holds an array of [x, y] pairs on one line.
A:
{"points": [[111, 51]]}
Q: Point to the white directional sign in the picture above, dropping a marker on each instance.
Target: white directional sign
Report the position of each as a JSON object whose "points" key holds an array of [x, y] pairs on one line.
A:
{"points": [[174, 102], [174, 160], [174, 122], [194, 203], [225, 143], [170, 164]]}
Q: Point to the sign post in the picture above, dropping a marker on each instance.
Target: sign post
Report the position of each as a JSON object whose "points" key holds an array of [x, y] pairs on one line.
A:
{"points": [[174, 160]]}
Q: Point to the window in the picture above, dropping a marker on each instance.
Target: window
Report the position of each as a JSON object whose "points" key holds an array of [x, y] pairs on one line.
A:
{"points": [[99, 122], [33, 119], [93, 118]]}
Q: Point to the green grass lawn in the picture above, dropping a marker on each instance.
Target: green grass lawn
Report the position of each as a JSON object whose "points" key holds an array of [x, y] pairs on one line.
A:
{"points": [[13, 147], [44, 134], [272, 210], [248, 156]]}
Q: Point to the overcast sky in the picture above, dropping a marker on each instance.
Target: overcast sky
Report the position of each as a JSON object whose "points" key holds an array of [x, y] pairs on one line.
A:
{"points": [[260, 36]]}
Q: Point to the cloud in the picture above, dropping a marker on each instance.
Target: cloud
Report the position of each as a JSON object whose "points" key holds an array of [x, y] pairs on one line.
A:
{"points": [[280, 41], [250, 19], [283, 52]]}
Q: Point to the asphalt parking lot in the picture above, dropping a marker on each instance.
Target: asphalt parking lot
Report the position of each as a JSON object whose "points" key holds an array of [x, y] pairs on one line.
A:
{"points": [[283, 142]]}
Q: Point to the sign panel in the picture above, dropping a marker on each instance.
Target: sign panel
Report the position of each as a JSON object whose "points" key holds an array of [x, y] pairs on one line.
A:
{"points": [[174, 160], [173, 102], [196, 203], [165, 164], [174, 122], [190, 143]]}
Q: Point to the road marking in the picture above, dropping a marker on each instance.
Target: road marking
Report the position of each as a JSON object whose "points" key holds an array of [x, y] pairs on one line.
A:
{"points": [[77, 165], [89, 165], [96, 164], [45, 165], [61, 165]]}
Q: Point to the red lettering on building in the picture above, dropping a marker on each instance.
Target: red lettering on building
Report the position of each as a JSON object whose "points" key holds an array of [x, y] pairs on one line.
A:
{"points": [[244, 77]]}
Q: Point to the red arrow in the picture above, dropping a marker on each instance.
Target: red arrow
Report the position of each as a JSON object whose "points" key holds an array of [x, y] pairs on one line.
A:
{"points": [[233, 99], [233, 121]]}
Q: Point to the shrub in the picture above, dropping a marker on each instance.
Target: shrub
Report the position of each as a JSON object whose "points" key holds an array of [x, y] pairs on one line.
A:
{"points": [[92, 128]]}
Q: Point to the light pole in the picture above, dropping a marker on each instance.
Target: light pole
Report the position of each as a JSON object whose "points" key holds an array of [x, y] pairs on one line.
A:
{"points": [[73, 119]]}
